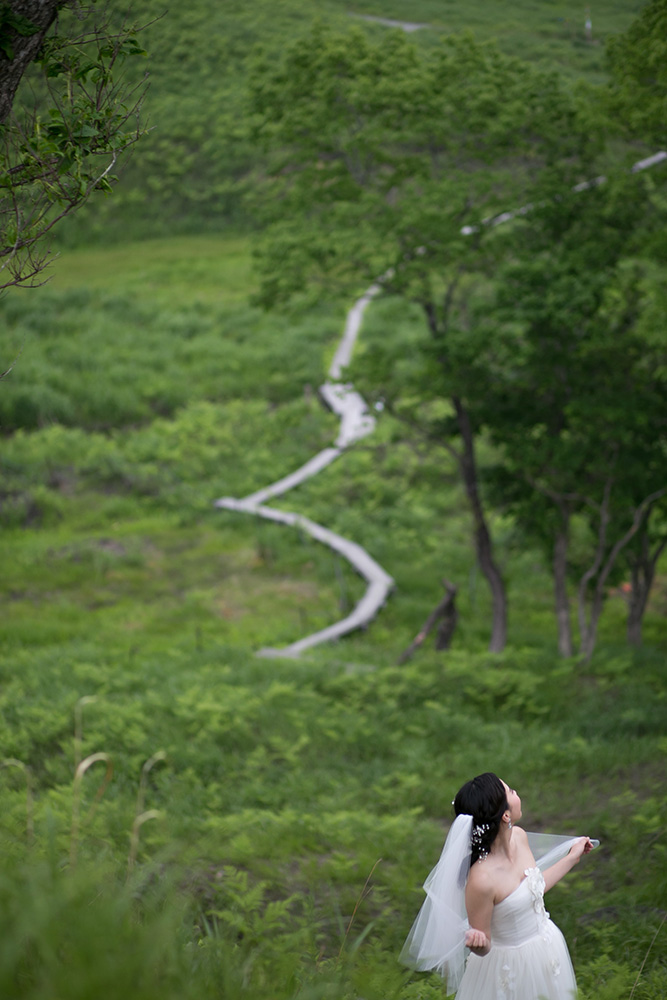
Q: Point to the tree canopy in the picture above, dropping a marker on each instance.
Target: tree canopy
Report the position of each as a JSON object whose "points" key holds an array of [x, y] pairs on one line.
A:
{"points": [[638, 63], [62, 131]]}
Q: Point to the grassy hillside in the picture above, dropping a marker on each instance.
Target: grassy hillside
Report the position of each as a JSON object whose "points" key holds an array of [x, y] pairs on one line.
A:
{"points": [[284, 783]]}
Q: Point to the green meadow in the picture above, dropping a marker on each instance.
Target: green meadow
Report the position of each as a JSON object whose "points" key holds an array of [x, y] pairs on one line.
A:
{"points": [[285, 783], [267, 824]]}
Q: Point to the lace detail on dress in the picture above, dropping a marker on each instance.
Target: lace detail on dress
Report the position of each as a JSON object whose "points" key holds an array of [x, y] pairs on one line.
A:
{"points": [[506, 984], [536, 885]]}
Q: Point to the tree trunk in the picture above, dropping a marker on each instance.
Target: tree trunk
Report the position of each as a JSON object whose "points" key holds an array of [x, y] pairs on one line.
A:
{"points": [[447, 626], [589, 635], [588, 622], [639, 520], [565, 647], [642, 565], [636, 607], [40, 14], [483, 543]]}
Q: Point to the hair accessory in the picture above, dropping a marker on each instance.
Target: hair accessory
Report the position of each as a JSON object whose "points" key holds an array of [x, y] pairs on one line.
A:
{"points": [[476, 837]]}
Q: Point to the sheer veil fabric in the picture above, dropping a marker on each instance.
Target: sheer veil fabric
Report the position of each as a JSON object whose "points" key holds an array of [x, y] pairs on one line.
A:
{"points": [[437, 939]]}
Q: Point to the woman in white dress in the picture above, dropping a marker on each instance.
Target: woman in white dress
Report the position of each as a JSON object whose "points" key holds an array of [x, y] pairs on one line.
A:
{"points": [[485, 900]]}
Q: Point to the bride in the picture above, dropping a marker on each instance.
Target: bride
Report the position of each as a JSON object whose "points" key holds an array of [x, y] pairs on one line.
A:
{"points": [[485, 900]]}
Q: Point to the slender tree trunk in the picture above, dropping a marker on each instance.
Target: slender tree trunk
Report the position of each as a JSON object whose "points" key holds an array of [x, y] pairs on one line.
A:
{"points": [[565, 646], [483, 543], [468, 468], [587, 618], [590, 636], [642, 512], [643, 566], [636, 607], [448, 621]]}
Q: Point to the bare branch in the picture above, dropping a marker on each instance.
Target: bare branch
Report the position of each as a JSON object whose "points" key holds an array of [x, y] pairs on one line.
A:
{"points": [[421, 433], [445, 607], [640, 514], [560, 499]]}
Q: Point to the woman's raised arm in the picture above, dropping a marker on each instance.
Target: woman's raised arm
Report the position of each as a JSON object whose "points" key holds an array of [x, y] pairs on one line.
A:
{"points": [[555, 873]]}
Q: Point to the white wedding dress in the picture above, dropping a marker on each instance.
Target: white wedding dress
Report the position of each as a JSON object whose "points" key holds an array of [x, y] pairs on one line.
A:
{"points": [[528, 959]]}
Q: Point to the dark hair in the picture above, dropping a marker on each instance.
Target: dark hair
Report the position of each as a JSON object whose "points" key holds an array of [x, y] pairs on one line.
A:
{"points": [[485, 799]]}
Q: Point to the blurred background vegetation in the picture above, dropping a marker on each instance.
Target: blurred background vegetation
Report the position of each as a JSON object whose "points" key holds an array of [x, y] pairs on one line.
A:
{"points": [[283, 839], [189, 175]]}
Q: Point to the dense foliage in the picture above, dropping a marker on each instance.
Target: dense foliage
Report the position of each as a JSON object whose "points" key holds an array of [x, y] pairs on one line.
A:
{"points": [[186, 175]]}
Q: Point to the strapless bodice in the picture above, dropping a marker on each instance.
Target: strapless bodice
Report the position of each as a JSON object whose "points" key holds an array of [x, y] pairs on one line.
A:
{"points": [[521, 915]]}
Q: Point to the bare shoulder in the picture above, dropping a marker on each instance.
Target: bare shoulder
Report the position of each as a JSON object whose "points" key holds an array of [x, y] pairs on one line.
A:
{"points": [[520, 834], [480, 880]]}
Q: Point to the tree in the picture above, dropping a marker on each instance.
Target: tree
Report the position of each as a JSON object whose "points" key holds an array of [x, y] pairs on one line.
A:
{"points": [[637, 60], [575, 391], [386, 161], [61, 138], [642, 557], [642, 554]]}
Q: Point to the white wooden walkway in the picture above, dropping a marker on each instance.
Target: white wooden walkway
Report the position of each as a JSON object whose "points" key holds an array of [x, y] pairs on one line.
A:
{"points": [[355, 423], [388, 22]]}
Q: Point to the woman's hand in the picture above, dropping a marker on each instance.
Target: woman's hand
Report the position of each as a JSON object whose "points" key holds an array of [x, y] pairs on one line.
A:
{"points": [[580, 847], [477, 941]]}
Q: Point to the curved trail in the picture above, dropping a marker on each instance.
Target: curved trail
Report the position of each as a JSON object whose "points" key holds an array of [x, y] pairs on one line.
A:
{"points": [[356, 422], [388, 22]]}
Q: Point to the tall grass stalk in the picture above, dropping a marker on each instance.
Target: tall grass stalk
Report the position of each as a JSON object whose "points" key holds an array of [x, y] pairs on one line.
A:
{"points": [[134, 836], [78, 726], [76, 797], [362, 896], [145, 771], [648, 951]]}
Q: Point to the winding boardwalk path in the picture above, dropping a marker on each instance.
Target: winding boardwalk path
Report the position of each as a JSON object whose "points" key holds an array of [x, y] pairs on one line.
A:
{"points": [[355, 423]]}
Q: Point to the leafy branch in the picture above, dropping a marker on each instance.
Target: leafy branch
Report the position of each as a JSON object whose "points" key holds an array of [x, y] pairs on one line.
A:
{"points": [[54, 155]]}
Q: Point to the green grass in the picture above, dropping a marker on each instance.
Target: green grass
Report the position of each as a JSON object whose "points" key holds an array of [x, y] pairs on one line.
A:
{"points": [[188, 270], [551, 32], [284, 781], [120, 336]]}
